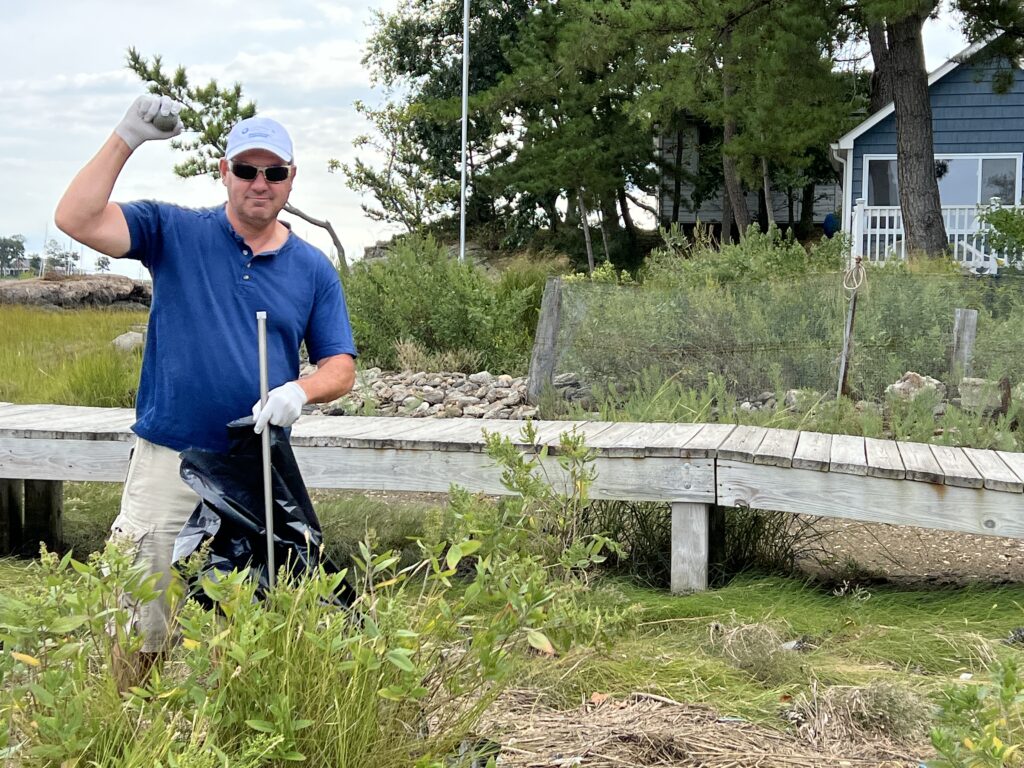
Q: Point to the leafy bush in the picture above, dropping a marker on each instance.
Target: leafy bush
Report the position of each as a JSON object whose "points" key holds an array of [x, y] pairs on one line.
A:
{"points": [[1006, 233], [422, 294]]}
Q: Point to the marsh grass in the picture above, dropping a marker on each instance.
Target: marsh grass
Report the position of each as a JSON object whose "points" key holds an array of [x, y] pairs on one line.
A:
{"points": [[66, 357]]}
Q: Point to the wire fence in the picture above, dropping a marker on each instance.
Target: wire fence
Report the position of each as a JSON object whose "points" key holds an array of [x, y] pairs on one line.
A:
{"points": [[780, 335]]}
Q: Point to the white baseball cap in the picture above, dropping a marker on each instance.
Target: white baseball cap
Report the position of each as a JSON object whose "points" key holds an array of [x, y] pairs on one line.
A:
{"points": [[259, 133]]}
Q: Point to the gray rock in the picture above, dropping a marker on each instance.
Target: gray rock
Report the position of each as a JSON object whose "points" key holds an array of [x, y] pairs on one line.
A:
{"points": [[912, 384], [979, 395], [128, 341], [483, 377]]}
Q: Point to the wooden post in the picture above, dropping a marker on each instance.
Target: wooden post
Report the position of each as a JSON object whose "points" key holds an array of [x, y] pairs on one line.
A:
{"points": [[586, 232], [965, 328], [12, 512], [690, 538], [44, 514], [844, 360], [857, 231], [545, 342]]}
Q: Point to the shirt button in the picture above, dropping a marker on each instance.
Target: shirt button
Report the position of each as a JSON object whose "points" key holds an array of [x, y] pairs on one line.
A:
{"points": [[245, 253], [246, 277], [249, 264]]}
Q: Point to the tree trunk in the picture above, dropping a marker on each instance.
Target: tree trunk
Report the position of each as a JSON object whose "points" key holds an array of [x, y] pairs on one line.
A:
{"points": [[726, 218], [677, 181], [881, 76], [572, 214], [919, 190], [604, 239], [806, 211], [627, 217], [733, 185], [609, 212], [586, 231], [768, 209]]}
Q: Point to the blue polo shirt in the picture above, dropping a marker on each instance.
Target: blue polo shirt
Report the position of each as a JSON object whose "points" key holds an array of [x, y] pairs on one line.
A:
{"points": [[200, 369]]}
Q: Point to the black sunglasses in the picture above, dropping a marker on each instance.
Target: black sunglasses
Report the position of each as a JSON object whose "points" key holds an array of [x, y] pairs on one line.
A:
{"points": [[274, 174]]}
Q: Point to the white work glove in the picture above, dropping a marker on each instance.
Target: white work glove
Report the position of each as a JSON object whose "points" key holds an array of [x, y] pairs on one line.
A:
{"points": [[284, 406], [144, 115]]}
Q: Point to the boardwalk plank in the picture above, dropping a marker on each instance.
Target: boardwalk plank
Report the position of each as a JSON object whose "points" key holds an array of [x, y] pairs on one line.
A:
{"points": [[1015, 461], [670, 441], [813, 450], [848, 455], [884, 459], [706, 441], [920, 463], [998, 476], [777, 448], [956, 467], [742, 443]]}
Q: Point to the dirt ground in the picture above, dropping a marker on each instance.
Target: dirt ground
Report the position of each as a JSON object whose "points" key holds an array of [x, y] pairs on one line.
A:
{"points": [[923, 557]]}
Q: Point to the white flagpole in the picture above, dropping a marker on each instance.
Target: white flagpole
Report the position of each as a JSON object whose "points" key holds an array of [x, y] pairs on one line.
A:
{"points": [[465, 127]]}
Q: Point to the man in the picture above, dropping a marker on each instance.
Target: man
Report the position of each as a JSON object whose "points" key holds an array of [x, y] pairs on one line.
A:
{"points": [[212, 270]]}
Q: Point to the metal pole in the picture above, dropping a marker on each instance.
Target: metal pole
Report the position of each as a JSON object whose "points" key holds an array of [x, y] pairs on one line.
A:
{"points": [[465, 128], [261, 328]]}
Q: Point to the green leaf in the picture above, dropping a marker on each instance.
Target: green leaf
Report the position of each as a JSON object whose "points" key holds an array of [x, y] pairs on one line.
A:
{"points": [[66, 624], [453, 556], [540, 641], [400, 658], [262, 726]]}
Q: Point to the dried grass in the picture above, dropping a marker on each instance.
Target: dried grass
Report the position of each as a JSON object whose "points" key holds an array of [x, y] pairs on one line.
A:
{"points": [[648, 730]]}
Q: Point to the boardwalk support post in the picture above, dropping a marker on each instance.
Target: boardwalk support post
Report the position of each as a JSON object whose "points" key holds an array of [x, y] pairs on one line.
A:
{"points": [[691, 536], [44, 514], [12, 514]]}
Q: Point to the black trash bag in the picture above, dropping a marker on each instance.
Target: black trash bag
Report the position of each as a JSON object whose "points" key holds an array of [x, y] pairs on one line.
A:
{"points": [[232, 513]]}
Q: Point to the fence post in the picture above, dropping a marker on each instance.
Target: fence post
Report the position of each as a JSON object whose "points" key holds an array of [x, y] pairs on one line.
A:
{"points": [[857, 230], [545, 341], [965, 328]]}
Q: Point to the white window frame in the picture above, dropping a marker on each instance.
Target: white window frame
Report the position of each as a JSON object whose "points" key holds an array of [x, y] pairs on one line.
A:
{"points": [[979, 156]]}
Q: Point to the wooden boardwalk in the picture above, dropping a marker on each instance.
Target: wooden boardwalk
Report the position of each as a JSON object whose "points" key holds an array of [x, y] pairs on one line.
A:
{"points": [[692, 466]]}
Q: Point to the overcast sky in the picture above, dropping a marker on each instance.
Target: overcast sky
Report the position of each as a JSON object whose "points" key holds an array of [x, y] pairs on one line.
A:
{"points": [[64, 86]]}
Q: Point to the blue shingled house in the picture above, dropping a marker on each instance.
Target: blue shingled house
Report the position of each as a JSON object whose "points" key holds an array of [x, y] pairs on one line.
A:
{"points": [[979, 143]]}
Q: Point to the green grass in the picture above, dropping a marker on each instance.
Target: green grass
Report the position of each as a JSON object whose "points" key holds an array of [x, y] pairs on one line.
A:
{"points": [[923, 639], [66, 357]]}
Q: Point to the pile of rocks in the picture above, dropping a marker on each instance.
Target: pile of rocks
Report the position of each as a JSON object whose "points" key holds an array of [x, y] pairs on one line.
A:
{"points": [[437, 395]]}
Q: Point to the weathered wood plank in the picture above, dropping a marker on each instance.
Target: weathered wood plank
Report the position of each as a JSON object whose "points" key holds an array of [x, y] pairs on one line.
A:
{"points": [[621, 438], [32, 459], [848, 455], [871, 499], [956, 467], [647, 479], [997, 475], [777, 448], [690, 540], [742, 443], [813, 450], [706, 441], [919, 462], [1015, 461], [669, 442], [884, 459], [68, 421]]}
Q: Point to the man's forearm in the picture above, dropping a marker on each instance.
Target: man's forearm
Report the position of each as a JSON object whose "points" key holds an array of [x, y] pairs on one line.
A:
{"points": [[333, 378]]}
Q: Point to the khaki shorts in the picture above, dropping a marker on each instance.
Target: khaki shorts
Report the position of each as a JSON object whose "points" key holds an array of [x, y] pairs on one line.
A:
{"points": [[154, 507]]}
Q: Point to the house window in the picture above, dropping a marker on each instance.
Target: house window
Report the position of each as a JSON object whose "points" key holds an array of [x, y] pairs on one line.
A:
{"points": [[963, 179]]}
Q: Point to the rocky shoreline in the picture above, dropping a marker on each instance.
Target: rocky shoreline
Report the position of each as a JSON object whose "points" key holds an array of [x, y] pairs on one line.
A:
{"points": [[94, 291]]}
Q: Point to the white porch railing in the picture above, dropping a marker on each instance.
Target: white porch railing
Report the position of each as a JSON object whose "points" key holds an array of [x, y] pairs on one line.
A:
{"points": [[877, 235]]}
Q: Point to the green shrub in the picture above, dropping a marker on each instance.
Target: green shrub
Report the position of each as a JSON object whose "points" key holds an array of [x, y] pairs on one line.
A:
{"points": [[422, 294]]}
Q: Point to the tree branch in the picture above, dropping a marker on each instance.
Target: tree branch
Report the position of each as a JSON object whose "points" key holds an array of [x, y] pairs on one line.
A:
{"points": [[342, 262], [640, 204]]}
